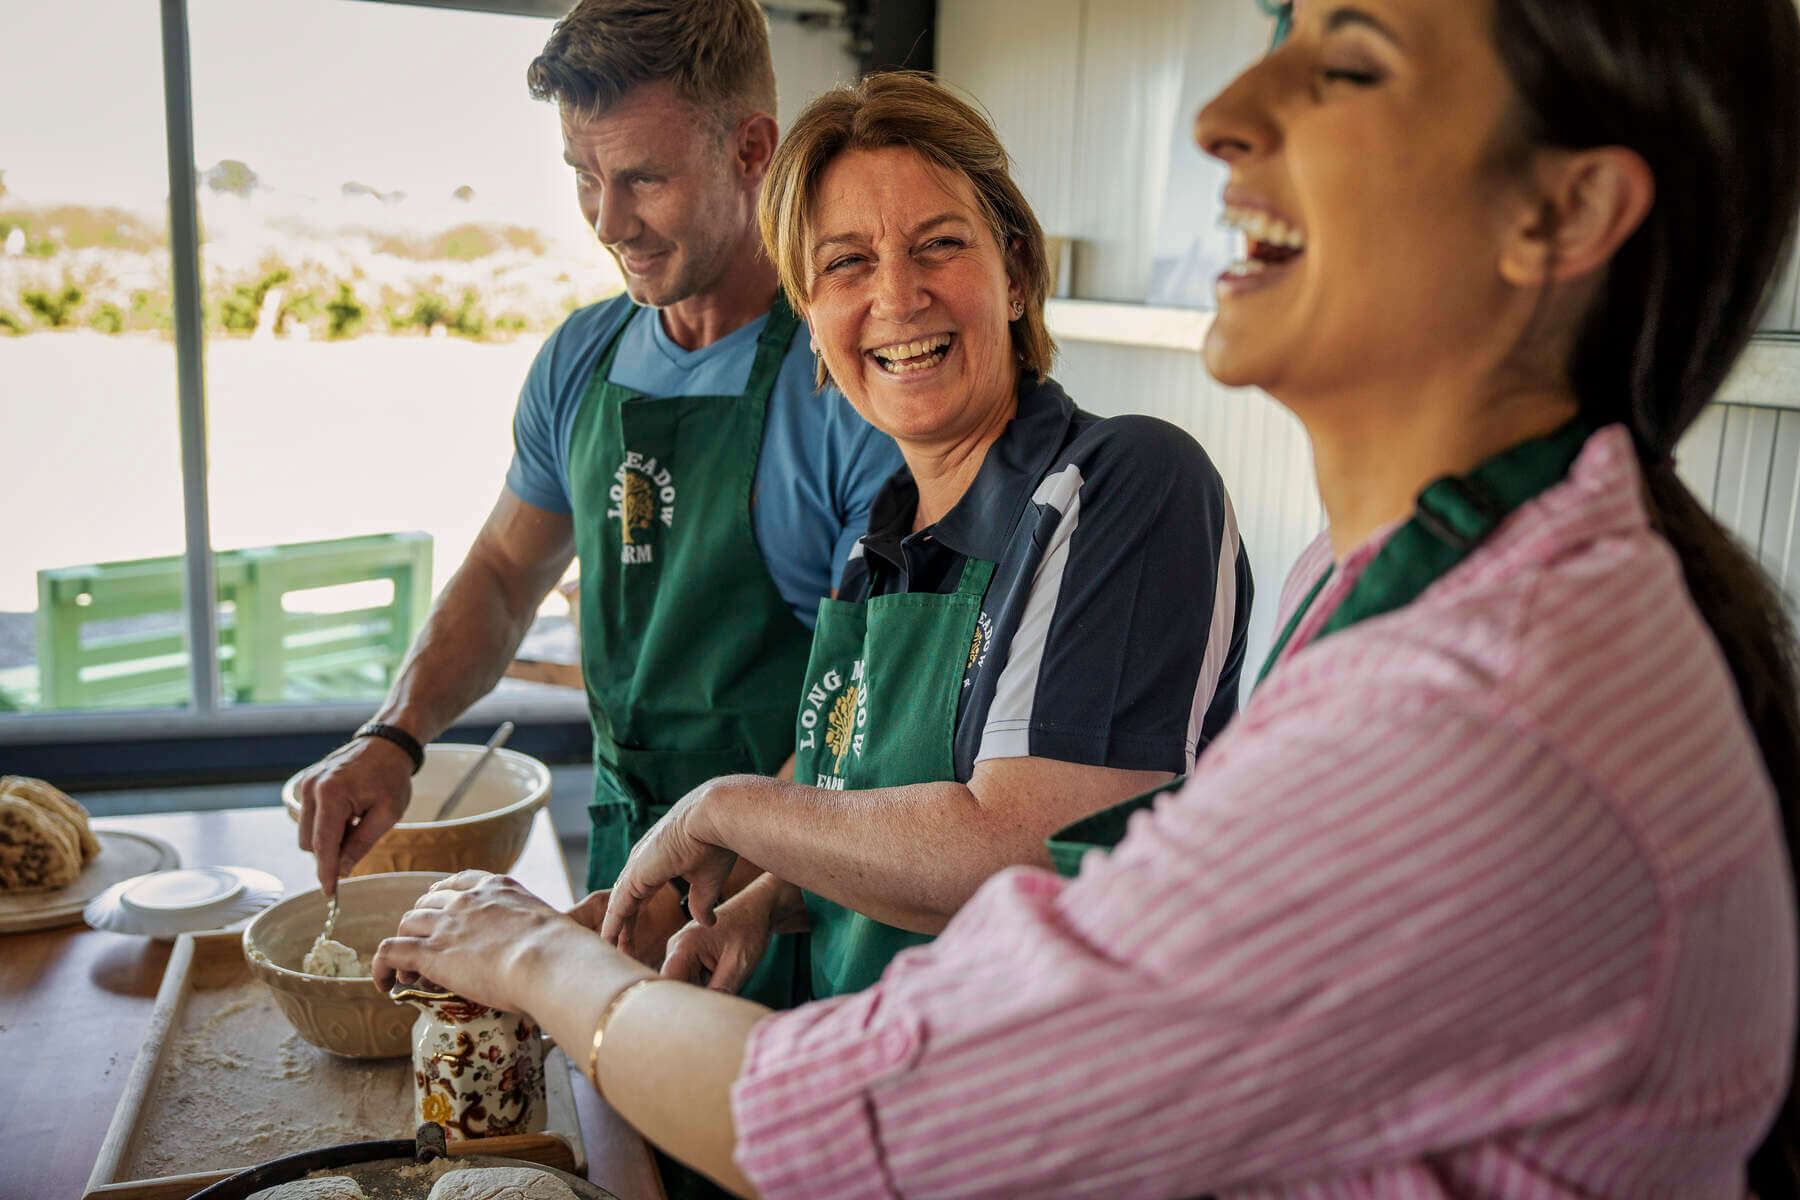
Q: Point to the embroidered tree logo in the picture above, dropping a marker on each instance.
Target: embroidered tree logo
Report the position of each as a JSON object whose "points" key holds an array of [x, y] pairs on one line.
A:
{"points": [[839, 726], [639, 509]]}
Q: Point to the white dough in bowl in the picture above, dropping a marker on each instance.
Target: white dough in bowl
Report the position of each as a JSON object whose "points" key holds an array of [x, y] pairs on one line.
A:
{"points": [[333, 960], [329, 1187], [500, 1183]]}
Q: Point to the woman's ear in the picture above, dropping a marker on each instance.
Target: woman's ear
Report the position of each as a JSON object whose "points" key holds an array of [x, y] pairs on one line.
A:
{"points": [[1588, 202]]}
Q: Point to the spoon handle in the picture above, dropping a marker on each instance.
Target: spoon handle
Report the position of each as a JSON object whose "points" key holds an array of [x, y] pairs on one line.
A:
{"points": [[462, 787]]}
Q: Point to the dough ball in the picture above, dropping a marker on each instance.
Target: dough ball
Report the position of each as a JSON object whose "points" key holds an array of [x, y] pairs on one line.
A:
{"points": [[36, 791], [38, 849], [500, 1183], [326, 1187], [331, 959]]}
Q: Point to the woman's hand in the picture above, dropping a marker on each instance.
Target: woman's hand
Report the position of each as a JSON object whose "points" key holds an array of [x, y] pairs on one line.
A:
{"points": [[683, 844], [471, 934], [722, 955], [655, 924]]}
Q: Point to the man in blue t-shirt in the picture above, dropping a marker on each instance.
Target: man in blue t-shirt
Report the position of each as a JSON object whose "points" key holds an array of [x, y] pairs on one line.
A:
{"points": [[670, 439]]}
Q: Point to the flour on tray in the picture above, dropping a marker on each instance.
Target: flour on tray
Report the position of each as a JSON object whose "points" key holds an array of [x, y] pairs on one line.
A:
{"points": [[237, 1086]]}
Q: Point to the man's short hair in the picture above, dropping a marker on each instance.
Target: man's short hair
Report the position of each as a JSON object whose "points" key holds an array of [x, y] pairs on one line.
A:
{"points": [[714, 52]]}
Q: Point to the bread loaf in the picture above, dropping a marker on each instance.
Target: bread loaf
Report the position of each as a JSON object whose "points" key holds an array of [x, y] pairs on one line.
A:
{"points": [[38, 848], [44, 836], [36, 791], [500, 1183], [326, 1187]]}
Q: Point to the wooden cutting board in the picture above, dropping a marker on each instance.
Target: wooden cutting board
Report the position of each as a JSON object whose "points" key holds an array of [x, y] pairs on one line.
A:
{"points": [[223, 1082], [121, 856]]}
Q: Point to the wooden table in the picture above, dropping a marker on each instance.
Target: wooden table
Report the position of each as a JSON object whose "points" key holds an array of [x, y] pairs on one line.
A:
{"points": [[74, 1004]]}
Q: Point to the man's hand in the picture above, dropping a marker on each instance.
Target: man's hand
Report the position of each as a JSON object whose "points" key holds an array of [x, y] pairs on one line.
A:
{"points": [[654, 925], [683, 845], [348, 799]]}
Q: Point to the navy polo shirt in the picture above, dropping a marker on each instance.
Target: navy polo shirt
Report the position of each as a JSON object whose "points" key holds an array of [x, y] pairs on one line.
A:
{"points": [[1113, 630]]}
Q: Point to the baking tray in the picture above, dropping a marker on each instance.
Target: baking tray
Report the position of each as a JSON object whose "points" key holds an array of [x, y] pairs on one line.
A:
{"points": [[224, 1083]]}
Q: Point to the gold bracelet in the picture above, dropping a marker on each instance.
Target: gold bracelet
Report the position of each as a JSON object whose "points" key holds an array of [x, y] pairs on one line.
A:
{"points": [[606, 1016]]}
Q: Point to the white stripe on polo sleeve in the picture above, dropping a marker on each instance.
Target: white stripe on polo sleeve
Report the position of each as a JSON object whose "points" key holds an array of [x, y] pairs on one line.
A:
{"points": [[1218, 635], [1007, 732]]}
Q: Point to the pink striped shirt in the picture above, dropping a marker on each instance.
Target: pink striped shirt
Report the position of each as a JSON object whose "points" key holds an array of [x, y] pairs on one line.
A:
{"points": [[1485, 897]]}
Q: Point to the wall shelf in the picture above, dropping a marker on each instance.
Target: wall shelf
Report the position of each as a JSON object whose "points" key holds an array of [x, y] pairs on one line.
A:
{"points": [[1767, 376], [1144, 325]]}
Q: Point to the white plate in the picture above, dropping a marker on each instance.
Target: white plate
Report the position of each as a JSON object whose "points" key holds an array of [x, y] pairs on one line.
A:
{"points": [[168, 903], [122, 856]]}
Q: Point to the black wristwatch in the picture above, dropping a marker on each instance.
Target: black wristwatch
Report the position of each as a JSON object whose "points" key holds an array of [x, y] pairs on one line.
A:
{"points": [[398, 736]]}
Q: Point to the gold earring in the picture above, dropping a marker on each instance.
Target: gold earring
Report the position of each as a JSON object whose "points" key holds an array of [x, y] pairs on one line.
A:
{"points": [[1018, 309]]}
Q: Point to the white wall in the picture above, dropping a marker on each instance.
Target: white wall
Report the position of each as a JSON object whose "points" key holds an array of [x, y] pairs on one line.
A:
{"points": [[807, 62], [1089, 97]]}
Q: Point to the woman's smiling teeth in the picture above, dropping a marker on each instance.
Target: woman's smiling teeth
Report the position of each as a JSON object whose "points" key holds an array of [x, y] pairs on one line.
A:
{"points": [[904, 357], [1271, 241]]}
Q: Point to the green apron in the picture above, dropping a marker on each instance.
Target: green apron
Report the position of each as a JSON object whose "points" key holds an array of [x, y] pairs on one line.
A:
{"points": [[879, 710], [1453, 516], [691, 657]]}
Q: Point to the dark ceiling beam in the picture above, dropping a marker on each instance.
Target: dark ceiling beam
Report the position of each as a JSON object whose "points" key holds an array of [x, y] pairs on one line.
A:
{"points": [[516, 8], [889, 35], [803, 11]]}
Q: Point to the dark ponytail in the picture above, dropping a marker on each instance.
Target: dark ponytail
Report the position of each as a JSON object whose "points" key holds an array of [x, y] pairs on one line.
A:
{"points": [[1688, 87]]}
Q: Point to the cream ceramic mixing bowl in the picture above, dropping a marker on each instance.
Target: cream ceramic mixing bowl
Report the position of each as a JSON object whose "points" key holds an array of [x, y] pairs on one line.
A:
{"points": [[486, 832], [350, 1017]]}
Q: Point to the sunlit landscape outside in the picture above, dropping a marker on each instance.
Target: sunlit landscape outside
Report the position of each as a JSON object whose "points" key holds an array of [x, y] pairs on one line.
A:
{"points": [[388, 233]]}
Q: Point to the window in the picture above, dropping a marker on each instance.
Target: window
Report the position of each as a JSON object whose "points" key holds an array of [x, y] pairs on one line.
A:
{"points": [[385, 232], [92, 464], [293, 393], [385, 246]]}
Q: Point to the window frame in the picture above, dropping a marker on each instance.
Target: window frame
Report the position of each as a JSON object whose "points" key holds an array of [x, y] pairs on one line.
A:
{"points": [[202, 741]]}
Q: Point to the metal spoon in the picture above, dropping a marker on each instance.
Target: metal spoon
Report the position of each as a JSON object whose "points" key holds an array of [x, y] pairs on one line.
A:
{"points": [[493, 744], [317, 962]]}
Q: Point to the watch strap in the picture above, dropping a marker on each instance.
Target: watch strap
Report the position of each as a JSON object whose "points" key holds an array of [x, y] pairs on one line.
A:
{"points": [[398, 736]]}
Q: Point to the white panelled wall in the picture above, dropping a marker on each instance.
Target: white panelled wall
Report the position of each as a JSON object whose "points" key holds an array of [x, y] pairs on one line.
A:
{"points": [[1258, 447], [808, 60], [1090, 98]]}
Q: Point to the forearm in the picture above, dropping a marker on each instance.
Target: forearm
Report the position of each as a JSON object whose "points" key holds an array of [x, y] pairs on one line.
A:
{"points": [[907, 856], [473, 631], [670, 1054]]}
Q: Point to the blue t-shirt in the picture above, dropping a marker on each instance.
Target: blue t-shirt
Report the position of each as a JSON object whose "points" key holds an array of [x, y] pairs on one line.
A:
{"points": [[820, 463]]}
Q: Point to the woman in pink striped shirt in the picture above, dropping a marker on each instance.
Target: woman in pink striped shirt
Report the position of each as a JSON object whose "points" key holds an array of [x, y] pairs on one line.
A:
{"points": [[1485, 894]]}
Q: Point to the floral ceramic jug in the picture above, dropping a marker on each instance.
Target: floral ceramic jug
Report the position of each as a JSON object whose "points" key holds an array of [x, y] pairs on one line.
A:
{"points": [[477, 1072]]}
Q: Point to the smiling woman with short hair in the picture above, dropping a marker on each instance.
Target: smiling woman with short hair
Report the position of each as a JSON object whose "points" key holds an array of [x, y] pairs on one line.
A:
{"points": [[1485, 893], [1048, 612]]}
